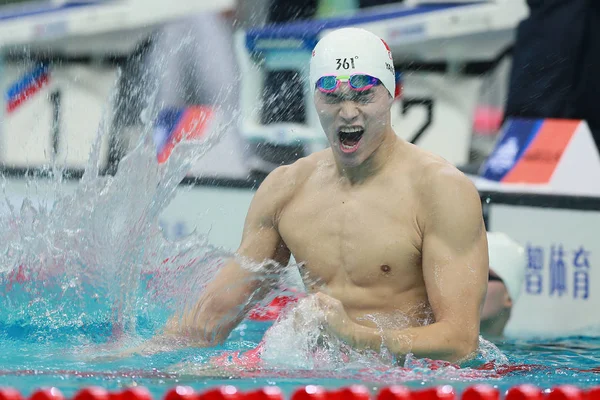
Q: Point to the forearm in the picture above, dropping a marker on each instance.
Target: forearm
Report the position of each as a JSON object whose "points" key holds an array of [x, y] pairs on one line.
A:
{"points": [[439, 341], [220, 308], [206, 322]]}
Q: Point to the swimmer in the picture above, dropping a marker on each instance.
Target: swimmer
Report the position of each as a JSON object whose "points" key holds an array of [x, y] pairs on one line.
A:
{"points": [[507, 272], [378, 225]]}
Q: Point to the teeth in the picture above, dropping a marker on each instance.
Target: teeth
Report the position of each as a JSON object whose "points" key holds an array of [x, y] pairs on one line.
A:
{"points": [[350, 130]]}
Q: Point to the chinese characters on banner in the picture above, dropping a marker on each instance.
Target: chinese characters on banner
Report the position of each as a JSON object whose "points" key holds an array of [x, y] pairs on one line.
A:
{"points": [[567, 271]]}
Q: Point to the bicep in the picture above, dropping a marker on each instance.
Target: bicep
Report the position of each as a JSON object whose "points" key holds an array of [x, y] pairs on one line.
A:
{"points": [[261, 250], [261, 241], [455, 258]]}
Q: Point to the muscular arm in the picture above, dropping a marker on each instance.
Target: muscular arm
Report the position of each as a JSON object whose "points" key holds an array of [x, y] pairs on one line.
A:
{"points": [[236, 288], [455, 268]]}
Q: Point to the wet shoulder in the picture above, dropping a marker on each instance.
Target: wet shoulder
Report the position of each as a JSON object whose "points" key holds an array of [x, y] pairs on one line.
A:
{"points": [[449, 204], [436, 178], [284, 181]]}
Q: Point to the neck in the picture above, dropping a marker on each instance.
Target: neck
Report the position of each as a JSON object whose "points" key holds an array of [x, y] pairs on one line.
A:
{"points": [[374, 164]]}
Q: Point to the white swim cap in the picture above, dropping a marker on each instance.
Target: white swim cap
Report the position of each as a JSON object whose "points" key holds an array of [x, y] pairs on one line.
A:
{"points": [[348, 51], [509, 261]]}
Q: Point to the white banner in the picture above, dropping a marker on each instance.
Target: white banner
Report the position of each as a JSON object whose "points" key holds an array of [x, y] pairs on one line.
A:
{"points": [[560, 292]]}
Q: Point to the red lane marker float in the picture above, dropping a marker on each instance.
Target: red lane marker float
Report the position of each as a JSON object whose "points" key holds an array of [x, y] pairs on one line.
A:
{"points": [[445, 392], [132, 393], [593, 393], [313, 392], [136, 393], [352, 392], [51, 393], [565, 392], [310, 392], [10, 394], [480, 392], [524, 392], [265, 393], [92, 393], [394, 393], [221, 393], [180, 393]]}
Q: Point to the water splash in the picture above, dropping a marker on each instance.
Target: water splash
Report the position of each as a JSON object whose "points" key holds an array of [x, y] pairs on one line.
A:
{"points": [[293, 340], [81, 259]]}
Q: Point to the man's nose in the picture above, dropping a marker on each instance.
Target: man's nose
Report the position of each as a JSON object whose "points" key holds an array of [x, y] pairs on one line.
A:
{"points": [[349, 110]]}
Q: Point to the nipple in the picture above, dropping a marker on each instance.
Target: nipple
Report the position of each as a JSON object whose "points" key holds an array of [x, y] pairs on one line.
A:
{"points": [[385, 268]]}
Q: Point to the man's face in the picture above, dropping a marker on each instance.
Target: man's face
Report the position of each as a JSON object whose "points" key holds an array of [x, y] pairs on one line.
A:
{"points": [[355, 122], [497, 301]]}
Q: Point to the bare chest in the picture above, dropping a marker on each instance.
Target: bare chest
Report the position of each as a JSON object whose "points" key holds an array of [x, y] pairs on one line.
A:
{"points": [[363, 239]]}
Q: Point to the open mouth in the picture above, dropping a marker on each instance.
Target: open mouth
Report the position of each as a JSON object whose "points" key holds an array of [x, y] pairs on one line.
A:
{"points": [[350, 138]]}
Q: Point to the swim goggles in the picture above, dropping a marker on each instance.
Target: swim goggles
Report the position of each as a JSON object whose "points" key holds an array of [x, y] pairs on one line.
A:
{"points": [[356, 82]]}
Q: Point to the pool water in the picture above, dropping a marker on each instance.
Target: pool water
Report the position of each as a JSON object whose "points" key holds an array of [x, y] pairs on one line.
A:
{"points": [[44, 356]]}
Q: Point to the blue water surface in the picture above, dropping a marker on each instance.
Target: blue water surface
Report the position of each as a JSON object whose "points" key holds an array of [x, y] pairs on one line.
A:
{"points": [[35, 356]]}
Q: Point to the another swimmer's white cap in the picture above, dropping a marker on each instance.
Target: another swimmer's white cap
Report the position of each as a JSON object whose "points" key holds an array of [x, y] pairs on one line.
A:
{"points": [[348, 51], [508, 260]]}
